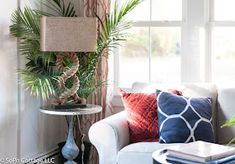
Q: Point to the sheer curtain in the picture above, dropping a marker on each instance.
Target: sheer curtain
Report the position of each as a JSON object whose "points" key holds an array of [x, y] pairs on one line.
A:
{"points": [[91, 9]]}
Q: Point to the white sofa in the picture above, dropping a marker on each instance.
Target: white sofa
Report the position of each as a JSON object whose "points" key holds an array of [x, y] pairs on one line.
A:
{"points": [[110, 136]]}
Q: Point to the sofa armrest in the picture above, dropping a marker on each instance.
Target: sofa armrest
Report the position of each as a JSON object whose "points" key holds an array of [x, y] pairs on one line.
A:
{"points": [[109, 136]]}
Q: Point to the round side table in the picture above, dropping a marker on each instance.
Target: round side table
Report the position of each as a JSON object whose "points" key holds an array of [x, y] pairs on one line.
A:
{"points": [[70, 150]]}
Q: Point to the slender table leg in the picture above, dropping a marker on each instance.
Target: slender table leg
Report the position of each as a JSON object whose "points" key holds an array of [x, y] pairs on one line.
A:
{"points": [[70, 150]]}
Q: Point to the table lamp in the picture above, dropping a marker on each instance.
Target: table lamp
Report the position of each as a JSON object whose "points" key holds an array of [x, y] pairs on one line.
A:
{"points": [[68, 35]]}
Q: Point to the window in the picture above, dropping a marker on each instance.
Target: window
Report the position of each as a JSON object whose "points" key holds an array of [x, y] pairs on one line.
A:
{"points": [[152, 54], [223, 41], [224, 10], [179, 41], [134, 58], [223, 50]]}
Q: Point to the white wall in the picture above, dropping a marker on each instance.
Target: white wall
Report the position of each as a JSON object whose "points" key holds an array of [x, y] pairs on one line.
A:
{"points": [[24, 131], [38, 132], [8, 84]]}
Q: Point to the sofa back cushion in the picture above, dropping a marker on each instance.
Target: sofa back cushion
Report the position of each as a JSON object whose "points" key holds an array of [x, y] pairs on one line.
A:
{"points": [[226, 109]]}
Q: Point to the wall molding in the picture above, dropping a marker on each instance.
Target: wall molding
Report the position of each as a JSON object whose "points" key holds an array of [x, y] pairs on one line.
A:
{"points": [[47, 157]]}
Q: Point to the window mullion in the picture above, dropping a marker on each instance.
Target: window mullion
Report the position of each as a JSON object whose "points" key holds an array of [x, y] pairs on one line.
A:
{"points": [[223, 23], [208, 54], [157, 23], [211, 12], [208, 42], [150, 55], [150, 45]]}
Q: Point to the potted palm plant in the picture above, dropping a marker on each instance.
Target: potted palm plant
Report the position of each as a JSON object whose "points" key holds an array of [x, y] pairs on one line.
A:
{"points": [[39, 75]]}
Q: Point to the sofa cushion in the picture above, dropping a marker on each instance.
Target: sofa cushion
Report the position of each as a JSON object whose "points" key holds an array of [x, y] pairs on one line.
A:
{"points": [[183, 119], [141, 116], [203, 90], [189, 90], [140, 153]]}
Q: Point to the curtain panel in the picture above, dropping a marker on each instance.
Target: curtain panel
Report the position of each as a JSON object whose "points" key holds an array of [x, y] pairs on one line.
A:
{"points": [[99, 8]]}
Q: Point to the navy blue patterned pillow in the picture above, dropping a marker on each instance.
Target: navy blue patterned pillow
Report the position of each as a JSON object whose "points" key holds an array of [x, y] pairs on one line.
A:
{"points": [[182, 119]]}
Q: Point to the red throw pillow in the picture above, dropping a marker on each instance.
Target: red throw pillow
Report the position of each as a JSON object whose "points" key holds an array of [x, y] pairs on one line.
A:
{"points": [[142, 115]]}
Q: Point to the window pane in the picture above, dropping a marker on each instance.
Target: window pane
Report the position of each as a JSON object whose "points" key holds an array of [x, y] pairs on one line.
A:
{"points": [[134, 58], [224, 10], [166, 45], [166, 9], [141, 12], [223, 50]]}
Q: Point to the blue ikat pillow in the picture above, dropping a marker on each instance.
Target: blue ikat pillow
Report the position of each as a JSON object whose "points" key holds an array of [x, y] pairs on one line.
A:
{"points": [[182, 119]]}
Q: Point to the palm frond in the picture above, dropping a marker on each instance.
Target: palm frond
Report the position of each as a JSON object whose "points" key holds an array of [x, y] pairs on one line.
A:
{"points": [[39, 85], [26, 27], [113, 30], [58, 8], [25, 24], [91, 86], [231, 142], [229, 122]]}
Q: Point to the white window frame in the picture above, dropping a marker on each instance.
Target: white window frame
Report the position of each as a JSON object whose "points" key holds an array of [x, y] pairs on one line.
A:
{"points": [[149, 24], [212, 24], [190, 20]]}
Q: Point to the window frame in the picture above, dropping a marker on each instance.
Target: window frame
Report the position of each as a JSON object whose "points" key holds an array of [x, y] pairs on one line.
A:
{"points": [[211, 25], [149, 24], [206, 59]]}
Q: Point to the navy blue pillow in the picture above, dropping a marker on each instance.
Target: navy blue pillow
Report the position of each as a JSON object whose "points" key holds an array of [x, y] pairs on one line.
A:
{"points": [[182, 119]]}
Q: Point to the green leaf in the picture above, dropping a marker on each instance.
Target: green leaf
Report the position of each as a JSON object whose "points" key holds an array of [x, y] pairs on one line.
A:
{"points": [[229, 122], [39, 85], [231, 142], [58, 8], [113, 30]]}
